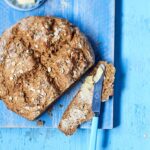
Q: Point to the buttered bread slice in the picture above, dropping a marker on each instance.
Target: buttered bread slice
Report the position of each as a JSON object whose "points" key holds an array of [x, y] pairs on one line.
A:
{"points": [[80, 108]]}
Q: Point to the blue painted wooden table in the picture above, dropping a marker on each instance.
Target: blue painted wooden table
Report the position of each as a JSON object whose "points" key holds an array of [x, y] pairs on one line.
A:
{"points": [[132, 59], [97, 24]]}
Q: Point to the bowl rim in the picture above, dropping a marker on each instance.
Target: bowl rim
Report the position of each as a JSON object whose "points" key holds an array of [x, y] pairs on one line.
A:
{"points": [[36, 5]]}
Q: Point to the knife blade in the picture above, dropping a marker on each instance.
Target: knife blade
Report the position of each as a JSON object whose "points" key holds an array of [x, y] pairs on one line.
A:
{"points": [[98, 79]]}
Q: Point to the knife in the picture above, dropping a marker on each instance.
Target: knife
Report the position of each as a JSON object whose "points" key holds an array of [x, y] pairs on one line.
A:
{"points": [[96, 105]]}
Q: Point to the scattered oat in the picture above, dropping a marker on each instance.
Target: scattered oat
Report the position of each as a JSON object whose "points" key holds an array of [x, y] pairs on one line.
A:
{"points": [[10, 98], [38, 91], [36, 46], [27, 107], [40, 123], [49, 111], [21, 94], [79, 45], [68, 61], [49, 69], [46, 26], [21, 71], [11, 78], [13, 63], [62, 70]]}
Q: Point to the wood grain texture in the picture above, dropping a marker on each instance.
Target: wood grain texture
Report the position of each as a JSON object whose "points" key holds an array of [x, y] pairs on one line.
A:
{"points": [[96, 20]]}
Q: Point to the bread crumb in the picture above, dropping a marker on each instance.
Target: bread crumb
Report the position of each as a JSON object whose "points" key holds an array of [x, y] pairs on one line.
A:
{"points": [[60, 105], [49, 111], [40, 123], [50, 114]]}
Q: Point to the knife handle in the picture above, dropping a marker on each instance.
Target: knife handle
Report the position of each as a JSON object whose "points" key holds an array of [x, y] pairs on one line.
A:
{"points": [[93, 136]]}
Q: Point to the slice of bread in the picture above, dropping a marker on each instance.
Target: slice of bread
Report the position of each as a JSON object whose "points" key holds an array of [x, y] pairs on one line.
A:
{"points": [[80, 109]]}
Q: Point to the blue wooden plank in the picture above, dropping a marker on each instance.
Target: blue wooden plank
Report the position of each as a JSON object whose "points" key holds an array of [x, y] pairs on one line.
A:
{"points": [[96, 20]]}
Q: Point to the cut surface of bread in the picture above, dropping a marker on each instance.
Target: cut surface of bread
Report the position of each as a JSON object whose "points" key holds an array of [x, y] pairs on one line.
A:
{"points": [[108, 83], [40, 58], [80, 108]]}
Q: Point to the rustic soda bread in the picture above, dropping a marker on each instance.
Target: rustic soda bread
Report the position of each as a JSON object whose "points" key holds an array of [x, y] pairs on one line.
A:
{"points": [[40, 57], [80, 108]]}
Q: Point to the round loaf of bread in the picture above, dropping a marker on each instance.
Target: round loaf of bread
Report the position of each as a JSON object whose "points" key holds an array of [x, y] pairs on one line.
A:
{"points": [[40, 58]]}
